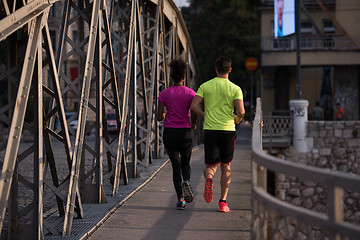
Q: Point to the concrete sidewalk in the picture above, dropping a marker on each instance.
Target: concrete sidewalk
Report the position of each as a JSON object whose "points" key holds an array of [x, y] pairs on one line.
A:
{"points": [[151, 212]]}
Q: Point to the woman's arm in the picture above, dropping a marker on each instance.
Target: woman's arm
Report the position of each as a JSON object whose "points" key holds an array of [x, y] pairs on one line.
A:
{"points": [[195, 108], [160, 113]]}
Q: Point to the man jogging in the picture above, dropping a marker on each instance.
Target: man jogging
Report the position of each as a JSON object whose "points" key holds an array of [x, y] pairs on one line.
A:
{"points": [[220, 97]]}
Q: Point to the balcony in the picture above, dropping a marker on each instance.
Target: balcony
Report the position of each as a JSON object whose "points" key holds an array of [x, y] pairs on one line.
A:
{"points": [[311, 42], [328, 3], [316, 50]]}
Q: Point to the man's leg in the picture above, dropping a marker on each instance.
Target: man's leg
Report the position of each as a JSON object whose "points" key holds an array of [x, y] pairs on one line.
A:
{"points": [[227, 154], [225, 184], [209, 173], [210, 170], [225, 180]]}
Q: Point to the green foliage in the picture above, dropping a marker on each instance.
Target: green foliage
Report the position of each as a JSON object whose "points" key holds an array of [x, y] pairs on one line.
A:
{"points": [[223, 27]]}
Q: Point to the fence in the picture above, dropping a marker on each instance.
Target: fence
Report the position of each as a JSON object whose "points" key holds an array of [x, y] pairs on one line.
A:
{"points": [[275, 219], [277, 131]]}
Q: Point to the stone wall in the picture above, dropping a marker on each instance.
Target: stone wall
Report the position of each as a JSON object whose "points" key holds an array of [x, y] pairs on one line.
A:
{"points": [[336, 146]]}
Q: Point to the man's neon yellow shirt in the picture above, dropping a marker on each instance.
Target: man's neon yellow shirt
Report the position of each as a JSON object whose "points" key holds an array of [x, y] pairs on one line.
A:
{"points": [[219, 95]]}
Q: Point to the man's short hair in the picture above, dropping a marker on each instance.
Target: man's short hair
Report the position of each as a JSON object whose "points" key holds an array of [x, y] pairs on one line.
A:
{"points": [[223, 64], [178, 69]]}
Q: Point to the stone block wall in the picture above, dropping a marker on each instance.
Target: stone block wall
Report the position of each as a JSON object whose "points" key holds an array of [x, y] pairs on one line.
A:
{"points": [[336, 146]]}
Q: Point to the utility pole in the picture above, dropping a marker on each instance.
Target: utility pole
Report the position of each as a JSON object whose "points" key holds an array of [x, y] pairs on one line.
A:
{"points": [[299, 106], [298, 47]]}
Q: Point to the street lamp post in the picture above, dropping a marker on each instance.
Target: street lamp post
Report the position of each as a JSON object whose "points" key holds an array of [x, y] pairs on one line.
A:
{"points": [[298, 47], [299, 106]]}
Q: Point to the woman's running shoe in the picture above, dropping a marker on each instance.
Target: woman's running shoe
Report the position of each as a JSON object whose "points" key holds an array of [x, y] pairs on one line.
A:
{"points": [[223, 207], [180, 205], [208, 191], [188, 193]]}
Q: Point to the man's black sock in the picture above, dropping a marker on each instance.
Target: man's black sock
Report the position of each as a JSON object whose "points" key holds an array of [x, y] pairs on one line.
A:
{"points": [[222, 201]]}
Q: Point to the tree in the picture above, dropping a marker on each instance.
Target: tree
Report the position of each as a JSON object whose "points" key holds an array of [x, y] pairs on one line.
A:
{"points": [[223, 27]]}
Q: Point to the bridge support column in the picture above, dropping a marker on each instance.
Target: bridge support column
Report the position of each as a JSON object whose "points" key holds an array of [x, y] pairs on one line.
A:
{"points": [[300, 114]]}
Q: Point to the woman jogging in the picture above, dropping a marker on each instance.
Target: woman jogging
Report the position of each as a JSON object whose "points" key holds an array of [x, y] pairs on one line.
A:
{"points": [[178, 133]]}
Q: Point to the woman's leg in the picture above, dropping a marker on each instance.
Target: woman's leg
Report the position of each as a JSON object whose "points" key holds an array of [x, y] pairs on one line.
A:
{"points": [[185, 153], [174, 155]]}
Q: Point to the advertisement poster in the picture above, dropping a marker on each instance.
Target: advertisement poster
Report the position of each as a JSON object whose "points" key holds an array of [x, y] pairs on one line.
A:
{"points": [[284, 17]]}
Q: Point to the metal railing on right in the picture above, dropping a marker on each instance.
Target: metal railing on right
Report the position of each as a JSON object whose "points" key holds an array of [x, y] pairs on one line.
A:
{"points": [[276, 219]]}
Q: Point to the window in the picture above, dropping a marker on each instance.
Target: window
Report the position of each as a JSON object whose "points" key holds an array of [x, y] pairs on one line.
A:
{"points": [[328, 26], [329, 30], [306, 30], [306, 27]]}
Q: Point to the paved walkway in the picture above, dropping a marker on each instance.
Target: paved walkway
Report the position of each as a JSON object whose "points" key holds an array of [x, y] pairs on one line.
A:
{"points": [[151, 212]]}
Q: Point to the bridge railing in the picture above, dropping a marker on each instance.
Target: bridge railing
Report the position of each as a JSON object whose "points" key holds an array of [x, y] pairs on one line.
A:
{"points": [[276, 219], [277, 130]]}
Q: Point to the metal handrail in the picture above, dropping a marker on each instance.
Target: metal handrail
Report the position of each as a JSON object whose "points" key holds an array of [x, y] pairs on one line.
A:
{"points": [[277, 131], [336, 181]]}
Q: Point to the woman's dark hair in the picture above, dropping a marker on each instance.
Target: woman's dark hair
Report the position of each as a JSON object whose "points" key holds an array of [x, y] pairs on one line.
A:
{"points": [[178, 70], [223, 64]]}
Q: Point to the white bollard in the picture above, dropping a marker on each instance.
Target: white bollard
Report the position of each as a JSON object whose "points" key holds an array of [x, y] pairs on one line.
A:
{"points": [[299, 107]]}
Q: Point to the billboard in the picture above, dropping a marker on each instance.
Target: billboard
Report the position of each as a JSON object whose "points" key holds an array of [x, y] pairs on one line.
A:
{"points": [[284, 18]]}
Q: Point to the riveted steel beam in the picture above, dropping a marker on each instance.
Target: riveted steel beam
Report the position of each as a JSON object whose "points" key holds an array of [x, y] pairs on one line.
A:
{"points": [[17, 19]]}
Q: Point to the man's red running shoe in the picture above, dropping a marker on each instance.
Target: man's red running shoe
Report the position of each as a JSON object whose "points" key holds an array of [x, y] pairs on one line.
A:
{"points": [[223, 207], [208, 191]]}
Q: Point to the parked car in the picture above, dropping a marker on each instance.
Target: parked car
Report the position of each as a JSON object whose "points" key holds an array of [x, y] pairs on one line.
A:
{"points": [[111, 122]]}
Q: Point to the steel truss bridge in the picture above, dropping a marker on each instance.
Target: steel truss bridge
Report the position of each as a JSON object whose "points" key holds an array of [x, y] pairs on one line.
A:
{"points": [[121, 50]]}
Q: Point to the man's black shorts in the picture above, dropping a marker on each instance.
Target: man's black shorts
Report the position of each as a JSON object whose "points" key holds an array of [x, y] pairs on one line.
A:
{"points": [[219, 146]]}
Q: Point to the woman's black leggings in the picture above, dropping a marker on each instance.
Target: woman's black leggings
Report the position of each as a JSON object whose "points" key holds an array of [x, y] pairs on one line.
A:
{"points": [[178, 144]]}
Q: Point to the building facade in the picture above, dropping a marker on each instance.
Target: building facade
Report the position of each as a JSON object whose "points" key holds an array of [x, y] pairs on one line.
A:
{"points": [[330, 58]]}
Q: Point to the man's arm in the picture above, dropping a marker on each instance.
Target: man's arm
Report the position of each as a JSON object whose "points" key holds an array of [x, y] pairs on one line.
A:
{"points": [[240, 110], [160, 113], [195, 108], [193, 119]]}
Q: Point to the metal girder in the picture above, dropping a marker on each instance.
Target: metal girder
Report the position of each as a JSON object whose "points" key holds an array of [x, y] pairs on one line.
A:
{"points": [[32, 62], [38, 150], [130, 49], [17, 19], [57, 109], [83, 108], [110, 99], [143, 55], [19, 115]]}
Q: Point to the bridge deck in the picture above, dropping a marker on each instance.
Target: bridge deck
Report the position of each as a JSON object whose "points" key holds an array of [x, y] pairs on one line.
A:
{"points": [[151, 212]]}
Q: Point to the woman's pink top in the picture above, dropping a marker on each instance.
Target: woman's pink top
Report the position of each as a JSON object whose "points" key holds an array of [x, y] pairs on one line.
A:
{"points": [[177, 100]]}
